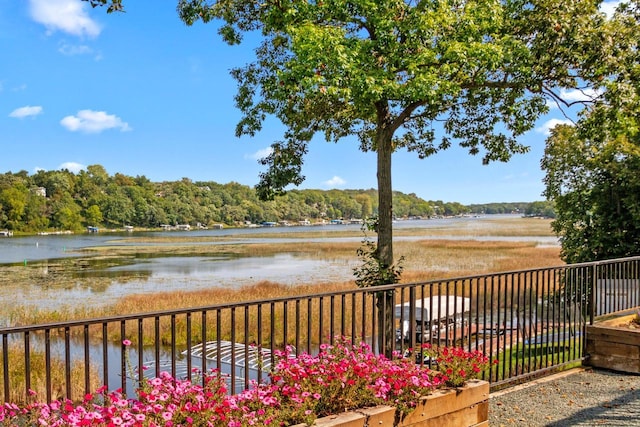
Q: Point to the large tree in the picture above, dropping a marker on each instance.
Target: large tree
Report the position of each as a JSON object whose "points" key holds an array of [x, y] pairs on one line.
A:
{"points": [[398, 74], [416, 75], [592, 167]]}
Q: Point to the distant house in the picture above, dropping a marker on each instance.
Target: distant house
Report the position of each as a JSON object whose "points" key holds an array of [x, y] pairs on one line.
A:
{"points": [[183, 227], [92, 229], [40, 191]]}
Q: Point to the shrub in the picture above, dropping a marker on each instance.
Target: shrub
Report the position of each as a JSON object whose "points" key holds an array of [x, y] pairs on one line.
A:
{"points": [[455, 366]]}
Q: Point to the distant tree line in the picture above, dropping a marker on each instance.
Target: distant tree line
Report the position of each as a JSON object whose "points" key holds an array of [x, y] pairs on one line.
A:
{"points": [[63, 200], [542, 209]]}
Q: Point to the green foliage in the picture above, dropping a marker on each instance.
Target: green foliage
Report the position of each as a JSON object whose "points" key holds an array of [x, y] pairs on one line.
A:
{"points": [[372, 272], [112, 5], [389, 71], [64, 200], [416, 76], [93, 215], [540, 209], [399, 75], [596, 194], [592, 168]]}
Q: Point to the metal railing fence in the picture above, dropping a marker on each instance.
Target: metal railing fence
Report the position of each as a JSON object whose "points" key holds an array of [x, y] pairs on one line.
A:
{"points": [[530, 321]]}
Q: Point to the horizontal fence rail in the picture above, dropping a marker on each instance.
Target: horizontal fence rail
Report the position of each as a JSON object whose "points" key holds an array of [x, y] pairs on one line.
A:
{"points": [[529, 321]]}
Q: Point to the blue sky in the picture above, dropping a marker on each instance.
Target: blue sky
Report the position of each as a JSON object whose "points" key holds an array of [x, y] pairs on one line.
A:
{"points": [[142, 94]]}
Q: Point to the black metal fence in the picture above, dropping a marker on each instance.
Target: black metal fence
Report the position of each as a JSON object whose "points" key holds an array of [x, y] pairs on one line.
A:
{"points": [[530, 321]]}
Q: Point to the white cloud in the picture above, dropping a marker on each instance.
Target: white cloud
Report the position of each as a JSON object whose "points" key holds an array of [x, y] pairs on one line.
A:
{"points": [[69, 16], [27, 111], [334, 182], [609, 7], [72, 167], [90, 121], [550, 124], [580, 95], [72, 50], [575, 95], [260, 154]]}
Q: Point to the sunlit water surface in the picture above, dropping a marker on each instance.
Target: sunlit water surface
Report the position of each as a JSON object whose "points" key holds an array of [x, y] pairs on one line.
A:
{"points": [[151, 274]]}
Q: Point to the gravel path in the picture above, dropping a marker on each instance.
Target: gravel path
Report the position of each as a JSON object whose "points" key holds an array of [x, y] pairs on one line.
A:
{"points": [[582, 398]]}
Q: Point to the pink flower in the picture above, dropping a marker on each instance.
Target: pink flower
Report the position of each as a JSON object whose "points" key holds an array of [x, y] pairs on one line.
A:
{"points": [[126, 343], [342, 376]]}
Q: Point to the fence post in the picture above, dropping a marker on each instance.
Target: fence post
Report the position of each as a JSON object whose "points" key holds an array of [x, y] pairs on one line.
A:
{"points": [[592, 294], [412, 318]]}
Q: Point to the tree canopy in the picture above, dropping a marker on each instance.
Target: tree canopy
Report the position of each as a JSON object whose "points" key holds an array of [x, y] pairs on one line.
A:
{"points": [[63, 200], [398, 74], [592, 168]]}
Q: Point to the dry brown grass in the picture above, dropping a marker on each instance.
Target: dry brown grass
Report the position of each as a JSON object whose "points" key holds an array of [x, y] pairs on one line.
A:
{"points": [[441, 259], [424, 260], [260, 291], [231, 321], [38, 381], [488, 226]]}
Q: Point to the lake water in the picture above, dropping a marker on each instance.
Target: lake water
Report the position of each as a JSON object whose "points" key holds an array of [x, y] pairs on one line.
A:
{"points": [[36, 248], [148, 275]]}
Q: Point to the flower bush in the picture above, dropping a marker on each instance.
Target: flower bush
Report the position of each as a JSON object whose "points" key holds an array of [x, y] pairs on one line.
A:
{"points": [[454, 365], [341, 377]]}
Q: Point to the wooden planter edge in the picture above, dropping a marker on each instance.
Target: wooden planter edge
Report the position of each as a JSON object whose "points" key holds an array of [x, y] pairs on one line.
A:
{"points": [[466, 406], [611, 345]]}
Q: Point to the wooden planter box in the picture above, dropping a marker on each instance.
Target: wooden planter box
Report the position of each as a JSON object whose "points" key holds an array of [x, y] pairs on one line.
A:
{"points": [[612, 344], [466, 406]]}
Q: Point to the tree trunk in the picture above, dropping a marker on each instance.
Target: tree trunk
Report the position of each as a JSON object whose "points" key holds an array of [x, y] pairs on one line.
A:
{"points": [[385, 204], [385, 300]]}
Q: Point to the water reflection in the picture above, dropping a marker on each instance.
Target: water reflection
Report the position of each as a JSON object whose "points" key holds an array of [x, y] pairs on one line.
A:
{"points": [[102, 282], [152, 274]]}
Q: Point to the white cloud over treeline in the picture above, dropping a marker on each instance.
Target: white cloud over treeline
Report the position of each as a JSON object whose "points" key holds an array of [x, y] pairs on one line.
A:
{"points": [[546, 127], [334, 182]]}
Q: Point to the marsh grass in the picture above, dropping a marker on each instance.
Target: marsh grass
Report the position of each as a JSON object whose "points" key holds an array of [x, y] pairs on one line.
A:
{"points": [[38, 380], [228, 324], [486, 226], [440, 259], [425, 260]]}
